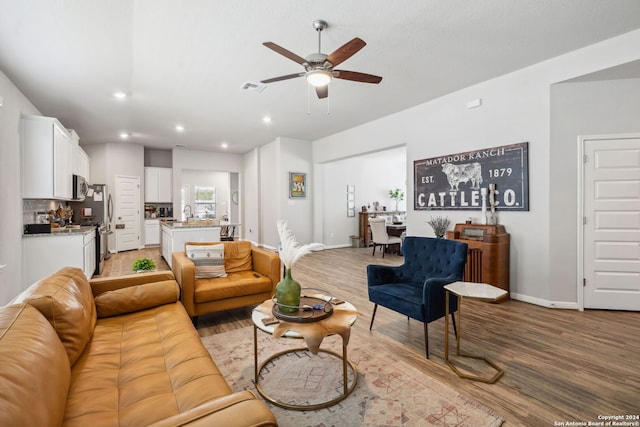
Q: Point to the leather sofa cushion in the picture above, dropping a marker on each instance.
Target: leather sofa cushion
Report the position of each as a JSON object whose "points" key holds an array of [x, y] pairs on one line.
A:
{"points": [[237, 256], [66, 300], [238, 284], [34, 373], [136, 298], [141, 368]]}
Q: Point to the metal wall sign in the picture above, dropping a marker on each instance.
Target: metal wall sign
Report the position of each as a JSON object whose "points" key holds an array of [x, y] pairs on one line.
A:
{"points": [[454, 181]]}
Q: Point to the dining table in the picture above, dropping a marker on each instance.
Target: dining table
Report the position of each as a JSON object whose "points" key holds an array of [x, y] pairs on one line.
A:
{"points": [[396, 229]]}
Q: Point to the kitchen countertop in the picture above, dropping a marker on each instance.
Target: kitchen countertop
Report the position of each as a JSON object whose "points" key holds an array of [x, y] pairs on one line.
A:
{"points": [[64, 231], [197, 224]]}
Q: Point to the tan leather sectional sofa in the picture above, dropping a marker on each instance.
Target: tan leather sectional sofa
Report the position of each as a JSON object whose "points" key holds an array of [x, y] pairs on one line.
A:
{"points": [[252, 276], [113, 352]]}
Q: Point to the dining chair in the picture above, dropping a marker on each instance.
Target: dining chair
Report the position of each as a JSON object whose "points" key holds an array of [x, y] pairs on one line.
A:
{"points": [[416, 288], [379, 235], [227, 233]]}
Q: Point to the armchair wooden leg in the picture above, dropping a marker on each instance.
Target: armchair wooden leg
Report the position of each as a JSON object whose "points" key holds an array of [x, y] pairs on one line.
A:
{"points": [[384, 249], [373, 316], [374, 250], [426, 339]]}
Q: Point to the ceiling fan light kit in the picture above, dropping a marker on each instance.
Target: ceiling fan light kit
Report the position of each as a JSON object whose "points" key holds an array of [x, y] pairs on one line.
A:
{"points": [[319, 67], [318, 78]]}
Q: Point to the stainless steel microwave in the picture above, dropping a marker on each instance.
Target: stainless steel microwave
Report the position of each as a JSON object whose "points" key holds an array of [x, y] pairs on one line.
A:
{"points": [[80, 187]]}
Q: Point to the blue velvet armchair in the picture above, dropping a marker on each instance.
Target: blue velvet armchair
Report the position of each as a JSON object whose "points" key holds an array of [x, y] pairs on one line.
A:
{"points": [[416, 288]]}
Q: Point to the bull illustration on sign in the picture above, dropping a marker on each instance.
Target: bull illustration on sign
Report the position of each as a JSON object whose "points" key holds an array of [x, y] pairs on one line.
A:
{"points": [[463, 173]]}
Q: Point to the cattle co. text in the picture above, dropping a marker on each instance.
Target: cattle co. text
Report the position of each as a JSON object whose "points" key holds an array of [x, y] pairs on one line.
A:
{"points": [[455, 181]]}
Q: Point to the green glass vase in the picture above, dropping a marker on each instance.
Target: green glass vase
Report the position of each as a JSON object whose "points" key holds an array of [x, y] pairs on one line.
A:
{"points": [[288, 294]]}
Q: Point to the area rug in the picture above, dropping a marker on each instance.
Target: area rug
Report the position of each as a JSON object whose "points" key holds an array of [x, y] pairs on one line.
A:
{"points": [[389, 392]]}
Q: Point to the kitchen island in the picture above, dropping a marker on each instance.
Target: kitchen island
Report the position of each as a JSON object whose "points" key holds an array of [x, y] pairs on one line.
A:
{"points": [[46, 253], [175, 234]]}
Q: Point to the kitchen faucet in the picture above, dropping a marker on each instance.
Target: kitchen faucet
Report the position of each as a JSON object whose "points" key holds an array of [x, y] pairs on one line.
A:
{"points": [[184, 211]]}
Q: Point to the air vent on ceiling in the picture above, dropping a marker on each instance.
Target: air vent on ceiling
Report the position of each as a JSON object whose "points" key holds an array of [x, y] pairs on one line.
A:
{"points": [[253, 87]]}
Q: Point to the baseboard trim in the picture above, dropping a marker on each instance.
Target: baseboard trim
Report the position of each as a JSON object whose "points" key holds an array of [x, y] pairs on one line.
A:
{"points": [[346, 245], [545, 303]]}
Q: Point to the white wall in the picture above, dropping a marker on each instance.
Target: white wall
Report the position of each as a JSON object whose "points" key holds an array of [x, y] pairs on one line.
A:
{"points": [[271, 183], [585, 108], [118, 158], [14, 104], [250, 190], [201, 160], [372, 175], [219, 180], [276, 160], [98, 159], [295, 156], [515, 108]]}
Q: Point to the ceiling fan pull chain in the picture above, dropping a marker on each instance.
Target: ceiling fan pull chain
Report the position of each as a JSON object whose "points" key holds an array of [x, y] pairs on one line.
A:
{"points": [[328, 106]]}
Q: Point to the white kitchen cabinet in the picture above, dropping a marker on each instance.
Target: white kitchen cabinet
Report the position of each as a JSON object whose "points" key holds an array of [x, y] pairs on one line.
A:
{"points": [[81, 165], [47, 159], [45, 254], [151, 232], [157, 185], [89, 265], [167, 243], [174, 236]]}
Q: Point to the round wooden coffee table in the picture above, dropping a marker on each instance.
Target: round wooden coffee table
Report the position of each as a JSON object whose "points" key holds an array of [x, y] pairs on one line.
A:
{"points": [[295, 331]]}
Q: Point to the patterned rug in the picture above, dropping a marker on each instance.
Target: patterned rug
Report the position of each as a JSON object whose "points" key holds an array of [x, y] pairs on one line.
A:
{"points": [[388, 392]]}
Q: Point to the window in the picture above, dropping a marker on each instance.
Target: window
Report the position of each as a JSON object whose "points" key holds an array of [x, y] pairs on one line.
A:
{"points": [[204, 202]]}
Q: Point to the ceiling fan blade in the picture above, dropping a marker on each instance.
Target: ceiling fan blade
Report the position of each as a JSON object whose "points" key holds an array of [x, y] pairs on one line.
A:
{"points": [[322, 91], [356, 77], [287, 77], [346, 51], [284, 52]]}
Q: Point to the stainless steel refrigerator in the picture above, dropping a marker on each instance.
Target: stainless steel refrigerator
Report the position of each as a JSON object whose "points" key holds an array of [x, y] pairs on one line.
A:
{"points": [[96, 209]]}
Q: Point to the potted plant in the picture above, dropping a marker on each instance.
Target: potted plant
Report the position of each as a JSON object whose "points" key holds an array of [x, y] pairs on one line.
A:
{"points": [[288, 290], [439, 225], [143, 264], [397, 195]]}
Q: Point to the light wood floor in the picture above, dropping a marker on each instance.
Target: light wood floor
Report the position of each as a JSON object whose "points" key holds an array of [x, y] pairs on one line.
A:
{"points": [[560, 365]]}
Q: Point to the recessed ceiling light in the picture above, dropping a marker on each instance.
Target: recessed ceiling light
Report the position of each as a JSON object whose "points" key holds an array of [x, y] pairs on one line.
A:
{"points": [[119, 95], [179, 128], [124, 135], [224, 145], [266, 119]]}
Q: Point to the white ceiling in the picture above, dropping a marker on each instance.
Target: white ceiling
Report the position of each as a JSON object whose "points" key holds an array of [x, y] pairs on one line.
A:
{"points": [[185, 61]]}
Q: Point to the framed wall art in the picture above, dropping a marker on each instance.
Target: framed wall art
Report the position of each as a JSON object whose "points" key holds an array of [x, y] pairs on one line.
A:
{"points": [[351, 204], [458, 181], [297, 185]]}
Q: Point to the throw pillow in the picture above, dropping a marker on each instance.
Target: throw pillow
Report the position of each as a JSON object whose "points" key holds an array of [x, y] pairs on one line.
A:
{"points": [[208, 260]]}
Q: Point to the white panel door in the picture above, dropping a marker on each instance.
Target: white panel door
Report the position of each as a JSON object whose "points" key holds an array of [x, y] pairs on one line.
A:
{"points": [[611, 230], [127, 213]]}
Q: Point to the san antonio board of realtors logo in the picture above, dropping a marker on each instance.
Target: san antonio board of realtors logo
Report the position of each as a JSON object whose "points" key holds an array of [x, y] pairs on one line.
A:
{"points": [[454, 182]]}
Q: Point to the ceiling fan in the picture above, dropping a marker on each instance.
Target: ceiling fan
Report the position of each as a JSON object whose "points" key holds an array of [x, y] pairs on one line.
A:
{"points": [[319, 67]]}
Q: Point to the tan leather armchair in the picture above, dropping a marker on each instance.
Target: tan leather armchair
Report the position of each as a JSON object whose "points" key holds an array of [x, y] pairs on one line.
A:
{"points": [[252, 276]]}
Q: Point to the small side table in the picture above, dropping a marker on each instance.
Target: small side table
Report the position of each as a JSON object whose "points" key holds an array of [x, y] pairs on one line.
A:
{"points": [[479, 291], [296, 331]]}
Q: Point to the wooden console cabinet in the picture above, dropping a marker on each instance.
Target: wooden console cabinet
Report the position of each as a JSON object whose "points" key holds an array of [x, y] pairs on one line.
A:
{"points": [[488, 253]]}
